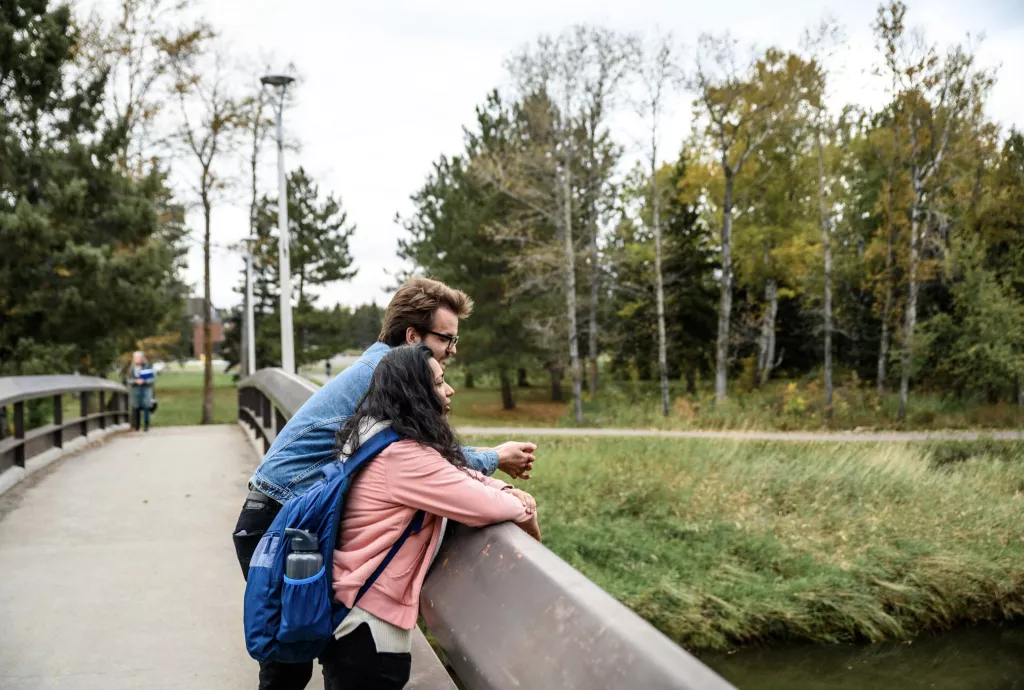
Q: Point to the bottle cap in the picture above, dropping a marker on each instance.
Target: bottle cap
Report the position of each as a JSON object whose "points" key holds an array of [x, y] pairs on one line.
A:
{"points": [[302, 540]]}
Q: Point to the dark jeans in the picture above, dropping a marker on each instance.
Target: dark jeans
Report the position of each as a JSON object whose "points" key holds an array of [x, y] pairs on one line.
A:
{"points": [[254, 520], [142, 400], [349, 663], [136, 414], [353, 663]]}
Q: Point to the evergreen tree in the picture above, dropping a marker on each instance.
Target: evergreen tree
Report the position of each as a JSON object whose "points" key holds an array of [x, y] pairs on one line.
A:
{"points": [[318, 242], [89, 267], [690, 288], [452, 238], [319, 234]]}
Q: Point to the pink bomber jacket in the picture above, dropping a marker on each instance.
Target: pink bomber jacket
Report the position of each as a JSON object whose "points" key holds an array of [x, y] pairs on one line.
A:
{"points": [[404, 478]]}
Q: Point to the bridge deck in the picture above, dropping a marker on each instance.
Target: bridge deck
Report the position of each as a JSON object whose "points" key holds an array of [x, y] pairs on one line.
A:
{"points": [[116, 566], [117, 570]]}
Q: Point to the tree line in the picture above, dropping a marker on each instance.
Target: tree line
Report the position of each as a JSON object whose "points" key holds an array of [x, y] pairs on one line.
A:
{"points": [[787, 237], [112, 128], [92, 241]]}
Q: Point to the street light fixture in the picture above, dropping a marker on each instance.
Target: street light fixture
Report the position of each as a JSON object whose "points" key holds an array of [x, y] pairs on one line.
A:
{"points": [[276, 79], [250, 323], [281, 82]]}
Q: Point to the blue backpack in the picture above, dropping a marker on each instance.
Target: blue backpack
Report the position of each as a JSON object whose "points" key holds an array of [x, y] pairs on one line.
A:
{"points": [[290, 620]]}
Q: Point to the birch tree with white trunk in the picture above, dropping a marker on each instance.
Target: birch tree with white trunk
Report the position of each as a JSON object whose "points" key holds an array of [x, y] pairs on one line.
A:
{"points": [[940, 93], [541, 174], [605, 57], [737, 105], [657, 73]]}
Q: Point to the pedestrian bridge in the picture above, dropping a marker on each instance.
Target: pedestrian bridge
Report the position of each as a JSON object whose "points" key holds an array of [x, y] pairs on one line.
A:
{"points": [[117, 568]]}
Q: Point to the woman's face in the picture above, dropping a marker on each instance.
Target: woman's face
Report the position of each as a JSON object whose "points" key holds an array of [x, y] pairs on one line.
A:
{"points": [[444, 391]]}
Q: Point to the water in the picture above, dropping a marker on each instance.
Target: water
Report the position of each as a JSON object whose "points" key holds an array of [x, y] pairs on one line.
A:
{"points": [[978, 658]]}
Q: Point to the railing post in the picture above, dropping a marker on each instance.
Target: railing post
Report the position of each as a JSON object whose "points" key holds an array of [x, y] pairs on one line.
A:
{"points": [[83, 411], [102, 409], [268, 420], [19, 433], [58, 421]]}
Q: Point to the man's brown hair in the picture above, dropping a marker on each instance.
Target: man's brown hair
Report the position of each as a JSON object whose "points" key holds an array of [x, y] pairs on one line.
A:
{"points": [[415, 304]]}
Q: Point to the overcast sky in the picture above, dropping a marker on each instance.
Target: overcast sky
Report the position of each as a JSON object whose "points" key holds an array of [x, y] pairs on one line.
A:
{"points": [[388, 87]]}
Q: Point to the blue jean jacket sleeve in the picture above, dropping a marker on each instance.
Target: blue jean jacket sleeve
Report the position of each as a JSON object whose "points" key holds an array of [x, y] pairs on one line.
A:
{"points": [[485, 461]]}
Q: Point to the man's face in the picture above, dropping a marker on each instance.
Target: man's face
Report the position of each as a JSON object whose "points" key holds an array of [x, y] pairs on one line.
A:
{"points": [[445, 323]]}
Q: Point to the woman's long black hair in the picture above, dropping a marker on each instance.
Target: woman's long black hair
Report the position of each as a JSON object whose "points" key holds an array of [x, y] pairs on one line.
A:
{"points": [[402, 392]]}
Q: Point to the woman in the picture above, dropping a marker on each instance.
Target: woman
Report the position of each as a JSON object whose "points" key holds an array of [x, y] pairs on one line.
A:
{"points": [[141, 378], [424, 471]]}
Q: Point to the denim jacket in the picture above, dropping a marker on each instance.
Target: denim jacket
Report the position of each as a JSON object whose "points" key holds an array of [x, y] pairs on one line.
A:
{"points": [[308, 441]]}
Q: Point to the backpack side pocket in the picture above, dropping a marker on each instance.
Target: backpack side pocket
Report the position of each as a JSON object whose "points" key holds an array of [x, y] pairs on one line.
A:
{"points": [[305, 609]]}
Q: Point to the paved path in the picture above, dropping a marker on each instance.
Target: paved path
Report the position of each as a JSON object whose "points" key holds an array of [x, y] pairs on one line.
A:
{"points": [[843, 436], [117, 571]]}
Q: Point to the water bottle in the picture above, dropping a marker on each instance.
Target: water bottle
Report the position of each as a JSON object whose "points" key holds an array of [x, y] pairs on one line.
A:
{"points": [[304, 559]]}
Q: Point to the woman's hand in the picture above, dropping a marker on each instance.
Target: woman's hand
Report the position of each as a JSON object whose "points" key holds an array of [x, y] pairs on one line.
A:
{"points": [[531, 527], [527, 500]]}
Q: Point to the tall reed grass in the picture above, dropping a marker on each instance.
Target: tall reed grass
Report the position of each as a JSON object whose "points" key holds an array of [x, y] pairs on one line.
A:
{"points": [[722, 544]]}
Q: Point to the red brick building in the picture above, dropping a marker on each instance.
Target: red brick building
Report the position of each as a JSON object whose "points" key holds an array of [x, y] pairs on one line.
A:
{"points": [[216, 330], [195, 315]]}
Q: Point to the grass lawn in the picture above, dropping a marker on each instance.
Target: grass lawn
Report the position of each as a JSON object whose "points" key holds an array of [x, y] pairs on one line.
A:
{"points": [[722, 544], [482, 407], [180, 398]]}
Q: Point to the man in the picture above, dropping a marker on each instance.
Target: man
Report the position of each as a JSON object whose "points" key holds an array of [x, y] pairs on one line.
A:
{"points": [[422, 310]]}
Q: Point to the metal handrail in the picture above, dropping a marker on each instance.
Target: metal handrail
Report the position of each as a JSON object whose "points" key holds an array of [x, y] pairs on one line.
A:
{"points": [[507, 612], [20, 388], [25, 444], [268, 399], [511, 614]]}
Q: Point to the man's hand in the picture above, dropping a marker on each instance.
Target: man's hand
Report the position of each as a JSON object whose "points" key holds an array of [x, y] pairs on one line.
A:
{"points": [[531, 527], [515, 458]]}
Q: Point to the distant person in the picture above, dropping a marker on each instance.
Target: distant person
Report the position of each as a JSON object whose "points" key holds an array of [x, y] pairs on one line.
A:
{"points": [[141, 378], [422, 311], [426, 471], [327, 369]]}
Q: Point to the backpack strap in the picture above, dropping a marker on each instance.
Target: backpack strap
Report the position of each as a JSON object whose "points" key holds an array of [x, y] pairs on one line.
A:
{"points": [[415, 526]]}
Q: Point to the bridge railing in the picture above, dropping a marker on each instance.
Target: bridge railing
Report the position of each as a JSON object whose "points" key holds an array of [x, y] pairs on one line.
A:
{"points": [[268, 399], [506, 611], [18, 445]]}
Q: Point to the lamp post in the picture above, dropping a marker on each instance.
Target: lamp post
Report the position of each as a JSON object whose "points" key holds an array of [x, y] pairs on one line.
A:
{"points": [[250, 323], [281, 82]]}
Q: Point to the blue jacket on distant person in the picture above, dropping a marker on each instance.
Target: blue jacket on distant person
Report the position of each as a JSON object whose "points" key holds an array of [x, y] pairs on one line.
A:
{"points": [[308, 441]]}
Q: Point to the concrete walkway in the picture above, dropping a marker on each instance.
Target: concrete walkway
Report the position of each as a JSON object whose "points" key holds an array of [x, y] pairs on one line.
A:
{"points": [[523, 433], [117, 570]]}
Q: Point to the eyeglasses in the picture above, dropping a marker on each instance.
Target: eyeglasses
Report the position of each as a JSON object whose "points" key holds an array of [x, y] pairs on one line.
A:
{"points": [[452, 340]]}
